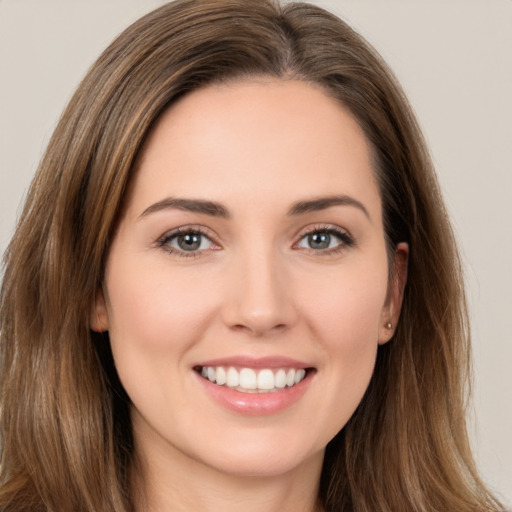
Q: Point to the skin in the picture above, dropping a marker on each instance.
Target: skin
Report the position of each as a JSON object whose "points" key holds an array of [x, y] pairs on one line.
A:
{"points": [[255, 287]]}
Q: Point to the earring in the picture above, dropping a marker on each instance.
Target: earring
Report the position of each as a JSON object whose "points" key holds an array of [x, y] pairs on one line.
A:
{"points": [[389, 325]]}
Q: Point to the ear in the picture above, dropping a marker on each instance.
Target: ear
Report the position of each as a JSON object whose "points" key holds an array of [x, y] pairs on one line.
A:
{"points": [[393, 305], [99, 314]]}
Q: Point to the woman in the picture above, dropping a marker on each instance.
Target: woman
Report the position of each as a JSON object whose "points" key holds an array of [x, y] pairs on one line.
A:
{"points": [[234, 284]]}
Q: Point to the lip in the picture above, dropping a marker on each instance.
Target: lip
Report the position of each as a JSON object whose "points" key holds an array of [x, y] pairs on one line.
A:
{"points": [[271, 362], [256, 404]]}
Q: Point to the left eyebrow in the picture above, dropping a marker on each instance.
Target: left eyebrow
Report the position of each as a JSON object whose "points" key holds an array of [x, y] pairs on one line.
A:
{"points": [[322, 203], [190, 205]]}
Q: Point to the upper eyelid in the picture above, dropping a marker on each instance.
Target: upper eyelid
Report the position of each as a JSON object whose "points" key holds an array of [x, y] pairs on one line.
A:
{"points": [[322, 227]]}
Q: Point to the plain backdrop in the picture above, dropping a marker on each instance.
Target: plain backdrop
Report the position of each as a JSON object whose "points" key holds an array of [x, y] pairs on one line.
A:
{"points": [[454, 60]]}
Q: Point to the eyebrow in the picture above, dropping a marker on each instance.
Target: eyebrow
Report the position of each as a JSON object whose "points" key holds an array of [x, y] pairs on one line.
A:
{"points": [[215, 209], [190, 205], [322, 203]]}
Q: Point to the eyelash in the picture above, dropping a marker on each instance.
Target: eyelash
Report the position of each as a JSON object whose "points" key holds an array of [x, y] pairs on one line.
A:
{"points": [[346, 240]]}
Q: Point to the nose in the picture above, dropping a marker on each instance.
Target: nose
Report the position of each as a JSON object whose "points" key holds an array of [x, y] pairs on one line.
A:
{"points": [[260, 295]]}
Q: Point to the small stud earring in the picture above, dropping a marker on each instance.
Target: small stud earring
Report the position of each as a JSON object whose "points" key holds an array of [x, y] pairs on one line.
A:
{"points": [[389, 325]]}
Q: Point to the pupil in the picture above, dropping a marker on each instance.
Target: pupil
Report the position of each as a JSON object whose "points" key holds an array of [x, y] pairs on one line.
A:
{"points": [[189, 242], [319, 240]]}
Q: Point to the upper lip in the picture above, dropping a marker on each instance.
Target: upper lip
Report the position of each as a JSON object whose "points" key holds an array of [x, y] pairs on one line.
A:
{"points": [[256, 362]]}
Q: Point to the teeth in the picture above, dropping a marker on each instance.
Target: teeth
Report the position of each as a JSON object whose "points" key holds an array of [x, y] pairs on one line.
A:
{"points": [[299, 375], [266, 380], [252, 381], [221, 376], [280, 379], [248, 379], [233, 378]]}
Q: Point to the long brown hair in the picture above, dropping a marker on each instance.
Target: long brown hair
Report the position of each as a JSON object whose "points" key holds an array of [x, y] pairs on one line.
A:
{"points": [[65, 420]]}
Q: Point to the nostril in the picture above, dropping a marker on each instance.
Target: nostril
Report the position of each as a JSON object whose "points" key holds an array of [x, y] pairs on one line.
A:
{"points": [[258, 329]]}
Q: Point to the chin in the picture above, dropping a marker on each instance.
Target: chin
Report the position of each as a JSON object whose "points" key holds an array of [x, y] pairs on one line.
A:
{"points": [[268, 453], [267, 464]]}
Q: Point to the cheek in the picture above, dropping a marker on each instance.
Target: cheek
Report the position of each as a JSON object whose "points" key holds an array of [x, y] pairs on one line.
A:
{"points": [[151, 308], [155, 317], [345, 322], [347, 307]]}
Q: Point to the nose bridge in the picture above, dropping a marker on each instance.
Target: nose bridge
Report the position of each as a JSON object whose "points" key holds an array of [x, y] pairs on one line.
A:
{"points": [[259, 301]]}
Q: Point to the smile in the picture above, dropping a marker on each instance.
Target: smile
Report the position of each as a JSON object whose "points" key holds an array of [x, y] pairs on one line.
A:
{"points": [[249, 380]]}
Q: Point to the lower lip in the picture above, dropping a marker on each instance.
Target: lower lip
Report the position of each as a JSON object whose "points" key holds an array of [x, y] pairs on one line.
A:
{"points": [[256, 404]]}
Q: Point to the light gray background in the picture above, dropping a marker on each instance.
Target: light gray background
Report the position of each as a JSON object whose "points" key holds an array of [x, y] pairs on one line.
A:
{"points": [[454, 59]]}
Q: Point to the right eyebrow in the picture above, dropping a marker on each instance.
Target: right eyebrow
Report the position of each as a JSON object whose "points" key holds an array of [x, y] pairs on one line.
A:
{"points": [[191, 205], [322, 203]]}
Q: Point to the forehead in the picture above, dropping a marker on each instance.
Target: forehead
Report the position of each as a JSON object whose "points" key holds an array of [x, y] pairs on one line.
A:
{"points": [[254, 141]]}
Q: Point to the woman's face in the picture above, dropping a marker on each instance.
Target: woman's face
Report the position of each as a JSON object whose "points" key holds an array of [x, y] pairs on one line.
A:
{"points": [[246, 287]]}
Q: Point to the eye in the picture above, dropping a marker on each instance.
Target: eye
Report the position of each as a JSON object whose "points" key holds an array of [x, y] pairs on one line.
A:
{"points": [[186, 242], [325, 240]]}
